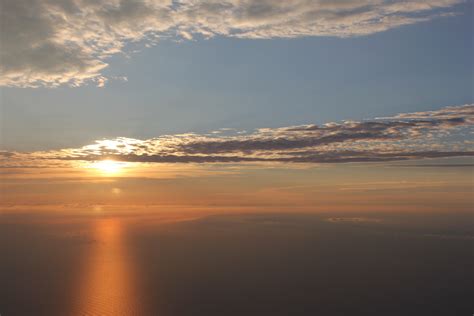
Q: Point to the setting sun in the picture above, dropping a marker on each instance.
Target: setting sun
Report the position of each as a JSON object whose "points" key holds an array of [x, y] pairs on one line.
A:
{"points": [[109, 166]]}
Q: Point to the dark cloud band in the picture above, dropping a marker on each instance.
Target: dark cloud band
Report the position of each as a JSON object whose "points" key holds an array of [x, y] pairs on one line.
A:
{"points": [[408, 136]]}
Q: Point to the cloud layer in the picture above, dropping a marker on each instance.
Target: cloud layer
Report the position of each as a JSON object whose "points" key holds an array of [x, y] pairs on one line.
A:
{"points": [[433, 134], [55, 42]]}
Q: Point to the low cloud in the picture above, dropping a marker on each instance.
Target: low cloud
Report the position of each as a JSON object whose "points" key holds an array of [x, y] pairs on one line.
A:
{"points": [[57, 42], [432, 134], [353, 220]]}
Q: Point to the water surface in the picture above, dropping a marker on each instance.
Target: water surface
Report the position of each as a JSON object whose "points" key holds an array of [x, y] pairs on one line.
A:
{"points": [[237, 264]]}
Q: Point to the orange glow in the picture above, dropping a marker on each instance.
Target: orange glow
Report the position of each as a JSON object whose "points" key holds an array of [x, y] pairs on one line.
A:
{"points": [[109, 166]]}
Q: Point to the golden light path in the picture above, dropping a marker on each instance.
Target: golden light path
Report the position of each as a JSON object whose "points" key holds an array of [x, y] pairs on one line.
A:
{"points": [[108, 280]]}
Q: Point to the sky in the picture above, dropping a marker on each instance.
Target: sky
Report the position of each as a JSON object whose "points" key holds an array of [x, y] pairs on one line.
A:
{"points": [[214, 89], [112, 90], [265, 72]]}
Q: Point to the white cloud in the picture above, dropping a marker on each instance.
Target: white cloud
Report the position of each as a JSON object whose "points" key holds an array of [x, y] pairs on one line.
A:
{"points": [[55, 42]]}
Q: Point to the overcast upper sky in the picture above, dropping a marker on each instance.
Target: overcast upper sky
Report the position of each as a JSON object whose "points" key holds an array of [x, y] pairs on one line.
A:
{"points": [[73, 71]]}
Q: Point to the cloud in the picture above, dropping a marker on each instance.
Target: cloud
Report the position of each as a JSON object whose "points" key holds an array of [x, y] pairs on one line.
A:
{"points": [[408, 136], [57, 42], [353, 220], [449, 114], [54, 42]]}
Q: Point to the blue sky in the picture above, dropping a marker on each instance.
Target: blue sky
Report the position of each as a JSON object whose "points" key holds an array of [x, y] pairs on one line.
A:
{"points": [[221, 82]]}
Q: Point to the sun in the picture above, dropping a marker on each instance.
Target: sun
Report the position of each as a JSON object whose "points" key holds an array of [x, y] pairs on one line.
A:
{"points": [[109, 166]]}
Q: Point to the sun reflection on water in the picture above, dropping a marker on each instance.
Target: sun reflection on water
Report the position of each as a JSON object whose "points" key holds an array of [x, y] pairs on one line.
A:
{"points": [[107, 286]]}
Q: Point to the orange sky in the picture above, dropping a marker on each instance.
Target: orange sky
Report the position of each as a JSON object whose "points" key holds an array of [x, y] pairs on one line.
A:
{"points": [[114, 187]]}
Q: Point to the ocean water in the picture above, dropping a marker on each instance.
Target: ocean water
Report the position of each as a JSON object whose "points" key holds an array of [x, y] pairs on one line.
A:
{"points": [[237, 264]]}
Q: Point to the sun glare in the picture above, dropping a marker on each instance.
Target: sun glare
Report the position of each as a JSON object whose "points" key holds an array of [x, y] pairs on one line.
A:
{"points": [[109, 166]]}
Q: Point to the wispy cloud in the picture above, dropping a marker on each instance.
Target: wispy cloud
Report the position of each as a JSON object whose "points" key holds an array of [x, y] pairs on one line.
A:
{"points": [[431, 134], [55, 42]]}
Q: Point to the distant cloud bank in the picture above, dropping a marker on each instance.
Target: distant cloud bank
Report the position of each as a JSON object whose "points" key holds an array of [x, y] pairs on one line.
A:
{"points": [[432, 134], [67, 42]]}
